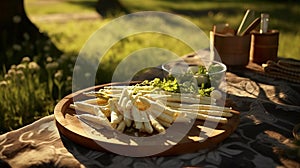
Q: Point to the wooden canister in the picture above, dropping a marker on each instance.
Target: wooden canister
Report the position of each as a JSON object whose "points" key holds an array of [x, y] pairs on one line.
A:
{"points": [[264, 46], [233, 50]]}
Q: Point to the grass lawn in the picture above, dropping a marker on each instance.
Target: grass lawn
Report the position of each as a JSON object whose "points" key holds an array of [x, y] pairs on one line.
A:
{"points": [[71, 35]]}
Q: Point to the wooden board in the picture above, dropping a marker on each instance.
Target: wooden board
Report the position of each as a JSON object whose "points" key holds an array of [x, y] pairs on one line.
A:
{"points": [[70, 126]]}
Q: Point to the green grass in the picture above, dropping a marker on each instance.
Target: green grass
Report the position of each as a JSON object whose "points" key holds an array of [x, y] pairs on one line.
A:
{"points": [[66, 36], [71, 36], [43, 7]]}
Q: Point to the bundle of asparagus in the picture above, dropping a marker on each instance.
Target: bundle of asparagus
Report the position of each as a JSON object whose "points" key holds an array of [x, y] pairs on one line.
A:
{"points": [[145, 109]]}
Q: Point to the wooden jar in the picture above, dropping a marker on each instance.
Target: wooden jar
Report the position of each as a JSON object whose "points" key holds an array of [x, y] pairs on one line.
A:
{"points": [[264, 46], [233, 50]]}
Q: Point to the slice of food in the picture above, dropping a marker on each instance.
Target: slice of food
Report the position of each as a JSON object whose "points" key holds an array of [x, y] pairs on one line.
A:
{"points": [[97, 122]]}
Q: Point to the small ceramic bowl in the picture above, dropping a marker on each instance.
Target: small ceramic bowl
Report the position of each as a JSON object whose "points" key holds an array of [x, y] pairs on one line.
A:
{"points": [[210, 74]]}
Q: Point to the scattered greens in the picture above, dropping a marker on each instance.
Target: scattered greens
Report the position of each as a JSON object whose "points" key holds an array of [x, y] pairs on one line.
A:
{"points": [[196, 82], [202, 70], [171, 84]]}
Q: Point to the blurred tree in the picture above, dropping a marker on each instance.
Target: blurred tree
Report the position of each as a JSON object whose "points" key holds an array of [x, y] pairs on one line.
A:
{"points": [[111, 8], [15, 28]]}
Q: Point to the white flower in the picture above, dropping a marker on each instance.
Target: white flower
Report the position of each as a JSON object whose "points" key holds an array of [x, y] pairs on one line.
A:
{"points": [[49, 59], [58, 75], [11, 72], [3, 83], [17, 19], [33, 66], [25, 60], [20, 73], [21, 67], [7, 77], [13, 67]]}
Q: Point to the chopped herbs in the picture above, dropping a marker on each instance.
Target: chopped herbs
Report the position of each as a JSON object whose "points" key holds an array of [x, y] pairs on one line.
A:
{"points": [[171, 84], [202, 70]]}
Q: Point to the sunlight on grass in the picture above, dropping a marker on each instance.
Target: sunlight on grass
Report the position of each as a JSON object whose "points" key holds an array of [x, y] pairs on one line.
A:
{"points": [[66, 36], [204, 14], [289, 45], [43, 7]]}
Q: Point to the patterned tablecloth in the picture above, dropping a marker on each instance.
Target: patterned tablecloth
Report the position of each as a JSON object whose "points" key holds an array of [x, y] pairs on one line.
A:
{"points": [[270, 108]]}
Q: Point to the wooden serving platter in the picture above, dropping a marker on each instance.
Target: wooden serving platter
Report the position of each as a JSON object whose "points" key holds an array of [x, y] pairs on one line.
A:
{"points": [[71, 127]]}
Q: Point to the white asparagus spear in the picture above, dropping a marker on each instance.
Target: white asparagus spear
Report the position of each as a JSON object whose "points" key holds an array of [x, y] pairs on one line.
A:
{"points": [[206, 112], [115, 116], [156, 125], [156, 106], [123, 95], [145, 119], [116, 92], [124, 102], [121, 126], [156, 96], [127, 114], [93, 101], [189, 98], [142, 129], [85, 107], [164, 123], [136, 118], [96, 101], [212, 118], [148, 127], [162, 116], [204, 117], [115, 119], [121, 87], [198, 106], [103, 94], [96, 122], [90, 108]]}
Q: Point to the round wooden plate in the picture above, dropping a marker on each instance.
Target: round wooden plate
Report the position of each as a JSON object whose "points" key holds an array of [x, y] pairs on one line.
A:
{"points": [[70, 126]]}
